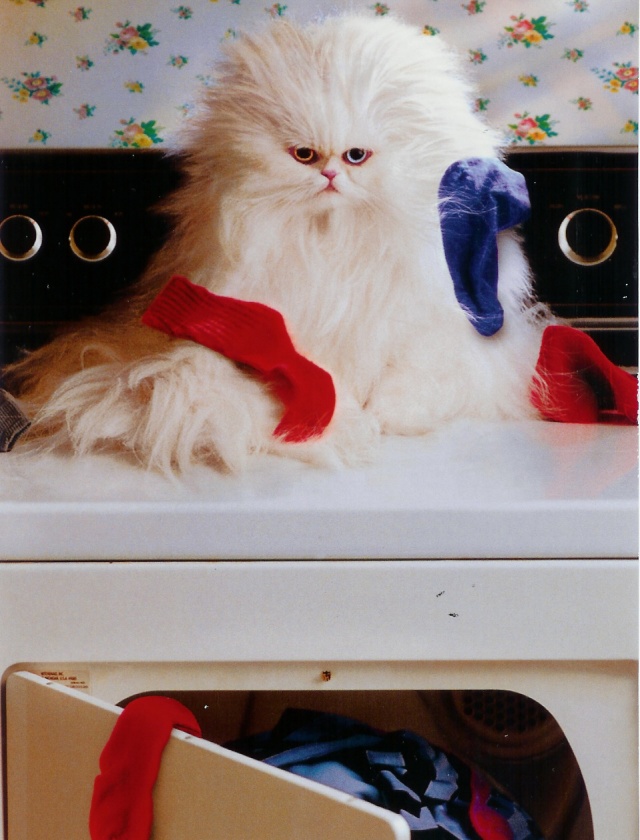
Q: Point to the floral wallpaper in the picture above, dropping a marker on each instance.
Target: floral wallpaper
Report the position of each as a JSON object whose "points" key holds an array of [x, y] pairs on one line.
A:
{"points": [[115, 74]]}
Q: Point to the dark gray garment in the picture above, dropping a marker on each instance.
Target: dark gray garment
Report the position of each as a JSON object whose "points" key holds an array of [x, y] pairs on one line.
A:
{"points": [[13, 421]]}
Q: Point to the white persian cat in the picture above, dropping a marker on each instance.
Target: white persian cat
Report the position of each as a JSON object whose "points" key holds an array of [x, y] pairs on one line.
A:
{"points": [[312, 172]]}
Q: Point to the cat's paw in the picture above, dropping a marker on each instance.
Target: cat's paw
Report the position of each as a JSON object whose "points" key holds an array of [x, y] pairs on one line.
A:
{"points": [[168, 411], [351, 439], [404, 405]]}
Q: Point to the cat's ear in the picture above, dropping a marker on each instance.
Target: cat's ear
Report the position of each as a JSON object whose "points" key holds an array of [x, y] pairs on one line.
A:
{"points": [[478, 198]]}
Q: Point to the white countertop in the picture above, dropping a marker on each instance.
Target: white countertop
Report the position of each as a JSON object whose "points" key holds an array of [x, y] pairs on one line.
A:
{"points": [[474, 490]]}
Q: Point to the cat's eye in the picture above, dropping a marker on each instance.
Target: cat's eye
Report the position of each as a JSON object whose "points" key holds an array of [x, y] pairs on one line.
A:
{"points": [[303, 154], [356, 157]]}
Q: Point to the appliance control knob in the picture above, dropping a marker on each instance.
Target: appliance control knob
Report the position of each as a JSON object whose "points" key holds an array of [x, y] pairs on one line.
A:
{"points": [[587, 236], [20, 237], [92, 238]]}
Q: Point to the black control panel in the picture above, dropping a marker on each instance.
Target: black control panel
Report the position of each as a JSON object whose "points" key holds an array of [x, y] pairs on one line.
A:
{"points": [[582, 241], [77, 227]]}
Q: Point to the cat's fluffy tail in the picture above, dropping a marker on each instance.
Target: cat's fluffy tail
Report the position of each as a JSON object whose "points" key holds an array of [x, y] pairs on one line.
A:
{"points": [[168, 404], [36, 375]]}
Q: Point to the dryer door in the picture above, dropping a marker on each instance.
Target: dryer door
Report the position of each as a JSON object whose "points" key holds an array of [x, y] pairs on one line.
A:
{"points": [[54, 739]]}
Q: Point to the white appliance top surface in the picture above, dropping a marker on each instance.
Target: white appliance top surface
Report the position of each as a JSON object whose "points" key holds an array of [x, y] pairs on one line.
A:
{"points": [[472, 490]]}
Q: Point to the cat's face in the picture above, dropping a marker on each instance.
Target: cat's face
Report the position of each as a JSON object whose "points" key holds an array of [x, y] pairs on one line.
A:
{"points": [[301, 124], [351, 117], [317, 158], [328, 177]]}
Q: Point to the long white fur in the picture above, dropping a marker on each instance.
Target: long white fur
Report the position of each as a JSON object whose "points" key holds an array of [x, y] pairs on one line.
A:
{"points": [[359, 274]]}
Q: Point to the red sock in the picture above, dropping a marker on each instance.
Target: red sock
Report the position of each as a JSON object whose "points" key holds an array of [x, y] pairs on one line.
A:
{"points": [[255, 335], [573, 369], [489, 824], [122, 803]]}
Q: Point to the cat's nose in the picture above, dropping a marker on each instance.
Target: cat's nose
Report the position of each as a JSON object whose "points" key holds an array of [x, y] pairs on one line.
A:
{"points": [[329, 173]]}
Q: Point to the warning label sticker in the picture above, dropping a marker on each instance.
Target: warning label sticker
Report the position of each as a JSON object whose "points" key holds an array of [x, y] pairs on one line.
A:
{"points": [[72, 679]]}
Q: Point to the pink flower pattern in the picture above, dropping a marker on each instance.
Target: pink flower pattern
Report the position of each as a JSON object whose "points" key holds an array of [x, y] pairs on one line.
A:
{"points": [[622, 77], [34, 86], [541, 78], [530, 32], [532, 130]]}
